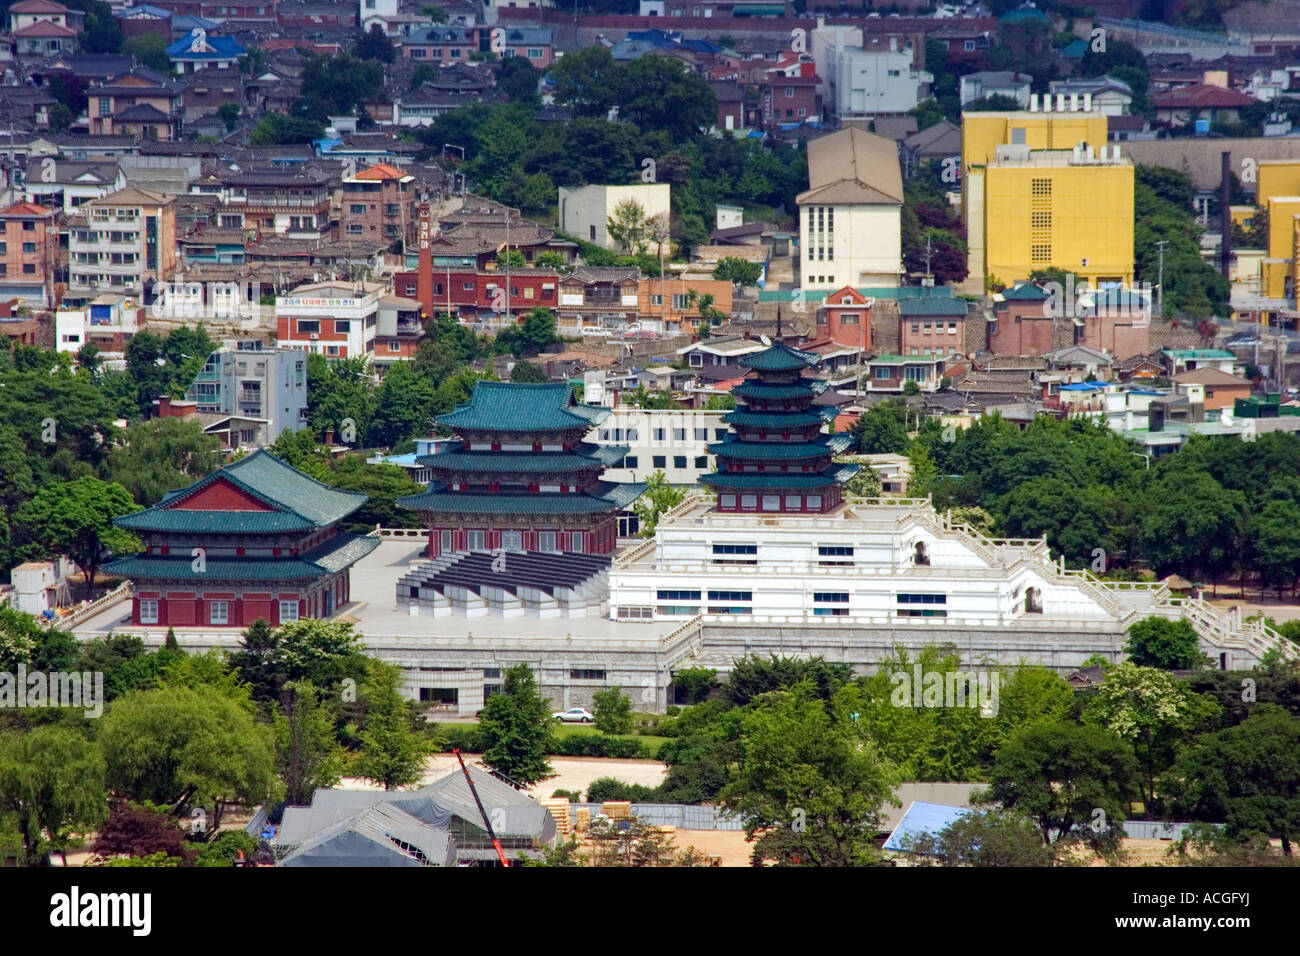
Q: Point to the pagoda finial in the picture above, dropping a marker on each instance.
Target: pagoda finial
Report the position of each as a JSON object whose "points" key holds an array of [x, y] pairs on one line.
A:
{"points": [[778, 324]]}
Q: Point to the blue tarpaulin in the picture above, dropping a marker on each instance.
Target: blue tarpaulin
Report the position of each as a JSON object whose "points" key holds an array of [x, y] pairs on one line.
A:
{"points": [[923, 818]]}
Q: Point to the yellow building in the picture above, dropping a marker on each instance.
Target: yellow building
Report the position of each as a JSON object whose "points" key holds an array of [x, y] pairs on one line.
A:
{"points": [[1044, 189], [1279, 268], [1276, 177]]}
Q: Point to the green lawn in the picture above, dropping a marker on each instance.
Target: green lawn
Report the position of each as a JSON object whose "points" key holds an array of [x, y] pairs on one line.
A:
{"points": [[573, 730]]}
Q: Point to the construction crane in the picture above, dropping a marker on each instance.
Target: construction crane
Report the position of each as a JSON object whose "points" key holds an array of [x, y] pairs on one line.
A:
{"points": [[483, 813]]}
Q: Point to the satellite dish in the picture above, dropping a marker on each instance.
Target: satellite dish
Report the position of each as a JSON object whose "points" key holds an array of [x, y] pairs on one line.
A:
{"points": [[765, 340]]}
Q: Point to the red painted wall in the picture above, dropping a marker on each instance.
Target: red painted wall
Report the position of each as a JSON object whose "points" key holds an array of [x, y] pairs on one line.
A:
{"points": [[221, 496]]}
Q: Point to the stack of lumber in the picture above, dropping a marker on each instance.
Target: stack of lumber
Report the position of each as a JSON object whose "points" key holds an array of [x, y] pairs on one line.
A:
{"points": [[617, 809], [559, 808]]}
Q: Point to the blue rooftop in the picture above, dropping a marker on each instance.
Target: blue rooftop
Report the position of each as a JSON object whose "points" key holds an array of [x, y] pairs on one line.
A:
{"points": [[200, 46], [1083, 387], [923, 818]]}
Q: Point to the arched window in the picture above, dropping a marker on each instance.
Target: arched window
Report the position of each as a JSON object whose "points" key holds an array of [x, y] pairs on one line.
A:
{"points": [[921, 556], [1033, 601]]}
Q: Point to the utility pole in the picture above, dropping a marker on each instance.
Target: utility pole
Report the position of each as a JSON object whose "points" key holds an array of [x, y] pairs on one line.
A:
{"points": [[929, 276], [507, 265], [1160, 278]]}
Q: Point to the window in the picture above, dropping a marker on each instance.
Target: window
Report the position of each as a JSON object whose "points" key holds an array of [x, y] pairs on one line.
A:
{"points": [[679, 461], [29, 225], [342, 326], [679, 595], [727, 502], [218, 612], [394, 346], [771, 502], [636, 613], [659, 461], [1040, 188], [696, 360], [922, 605], [308, 326], [793, 502], [849, 318], [812, 503], [288, 611], [719, 434], [882, 372], [970, 46], [148, 612], [660, 434], [29, 269], [1040, 220], [831, 555], [29, 247], [731, 595], [591, 231], [475, 540], [630, 461], [735, 549], [702, 462], [748, 503], [445, 541], [583, 673], [679, 434], [546, 541], [358, 209], [1040, 252], [789, 92], [105, 106]]}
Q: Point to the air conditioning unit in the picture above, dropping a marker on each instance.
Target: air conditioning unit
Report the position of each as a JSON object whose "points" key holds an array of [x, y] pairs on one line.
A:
{"points": [[314, 336]]}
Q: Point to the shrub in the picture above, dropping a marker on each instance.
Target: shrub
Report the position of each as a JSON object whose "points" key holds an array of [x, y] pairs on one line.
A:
{"points": [[593, 745], [608, 788], [574, 796], [466, 737], [225, 848]]}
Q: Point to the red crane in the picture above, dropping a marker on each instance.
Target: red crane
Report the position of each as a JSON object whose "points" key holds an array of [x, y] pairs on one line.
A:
{"points": [[486, 822]]}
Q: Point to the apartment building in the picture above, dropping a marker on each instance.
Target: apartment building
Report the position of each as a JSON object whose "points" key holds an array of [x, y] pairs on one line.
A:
{"points": [[864, 83], [674, 441], [441, 45], [380, 203], [334, 319], [585, 211], [108, 321], [28, 254], [67, 185], [932, 324], [265, 386], [398, 331], [285, 202], [1052, 191], [124, 242]]}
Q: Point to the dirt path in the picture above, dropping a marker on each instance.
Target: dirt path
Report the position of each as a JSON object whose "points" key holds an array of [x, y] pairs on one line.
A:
{"points": [[572, 773]]}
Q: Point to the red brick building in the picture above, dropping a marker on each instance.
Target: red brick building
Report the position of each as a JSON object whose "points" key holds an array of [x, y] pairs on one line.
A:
{"points": [[28, 254], [932, 324], [845, 318], [380, 203], [1022, 322]]}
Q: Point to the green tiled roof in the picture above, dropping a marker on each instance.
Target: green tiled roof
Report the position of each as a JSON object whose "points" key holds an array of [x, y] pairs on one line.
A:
{"points": [[927, 359], [772, 449], [608, 496], [298, 503], [337, 553], [779, 358], [778, 480], [744, 417], [776, 392], [1026, 292], [511, 407], [931, 306], [587, 457]]}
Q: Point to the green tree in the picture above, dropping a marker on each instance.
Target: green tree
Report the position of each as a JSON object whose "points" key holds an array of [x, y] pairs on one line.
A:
{"points": [[697, 682], [1152, 711], [150, 50], [188, 746], [1165, 644], [229, 114], [1247, 777], [1194, 527], [739, 272], [324, 653], [403, 407], [881, 430], [75, 519], [587, 81], [1060, 774], [528, 372], [661, 93], [808, 772], [374, 45], [340, 391], [339, 85], [659, 496], [721, 403], [1276, 532], [628, 225], [276, 129], [52, 781], [307, 756], [391, 752], [613, 711], [517, 728], [161, 455], [518, 79]]}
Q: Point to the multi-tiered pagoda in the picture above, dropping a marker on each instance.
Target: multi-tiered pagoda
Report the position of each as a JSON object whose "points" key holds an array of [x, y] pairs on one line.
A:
{"points": [[521, 477], [776, 458]]}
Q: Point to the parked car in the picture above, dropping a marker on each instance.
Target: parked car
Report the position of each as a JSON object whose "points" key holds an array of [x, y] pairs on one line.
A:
{"points": [[574, 715], [596, 331]]}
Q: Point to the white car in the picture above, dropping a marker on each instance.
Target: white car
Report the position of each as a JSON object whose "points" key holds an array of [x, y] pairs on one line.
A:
{"points": [[574, 715]]}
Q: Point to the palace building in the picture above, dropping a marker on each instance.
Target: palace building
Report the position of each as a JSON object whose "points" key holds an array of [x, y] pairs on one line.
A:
{"points": [[521, 477], [776, 458], [255, 539]]}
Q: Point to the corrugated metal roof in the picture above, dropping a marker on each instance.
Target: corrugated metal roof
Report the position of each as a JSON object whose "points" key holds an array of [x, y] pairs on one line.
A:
{"points": [[922, 818]]}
